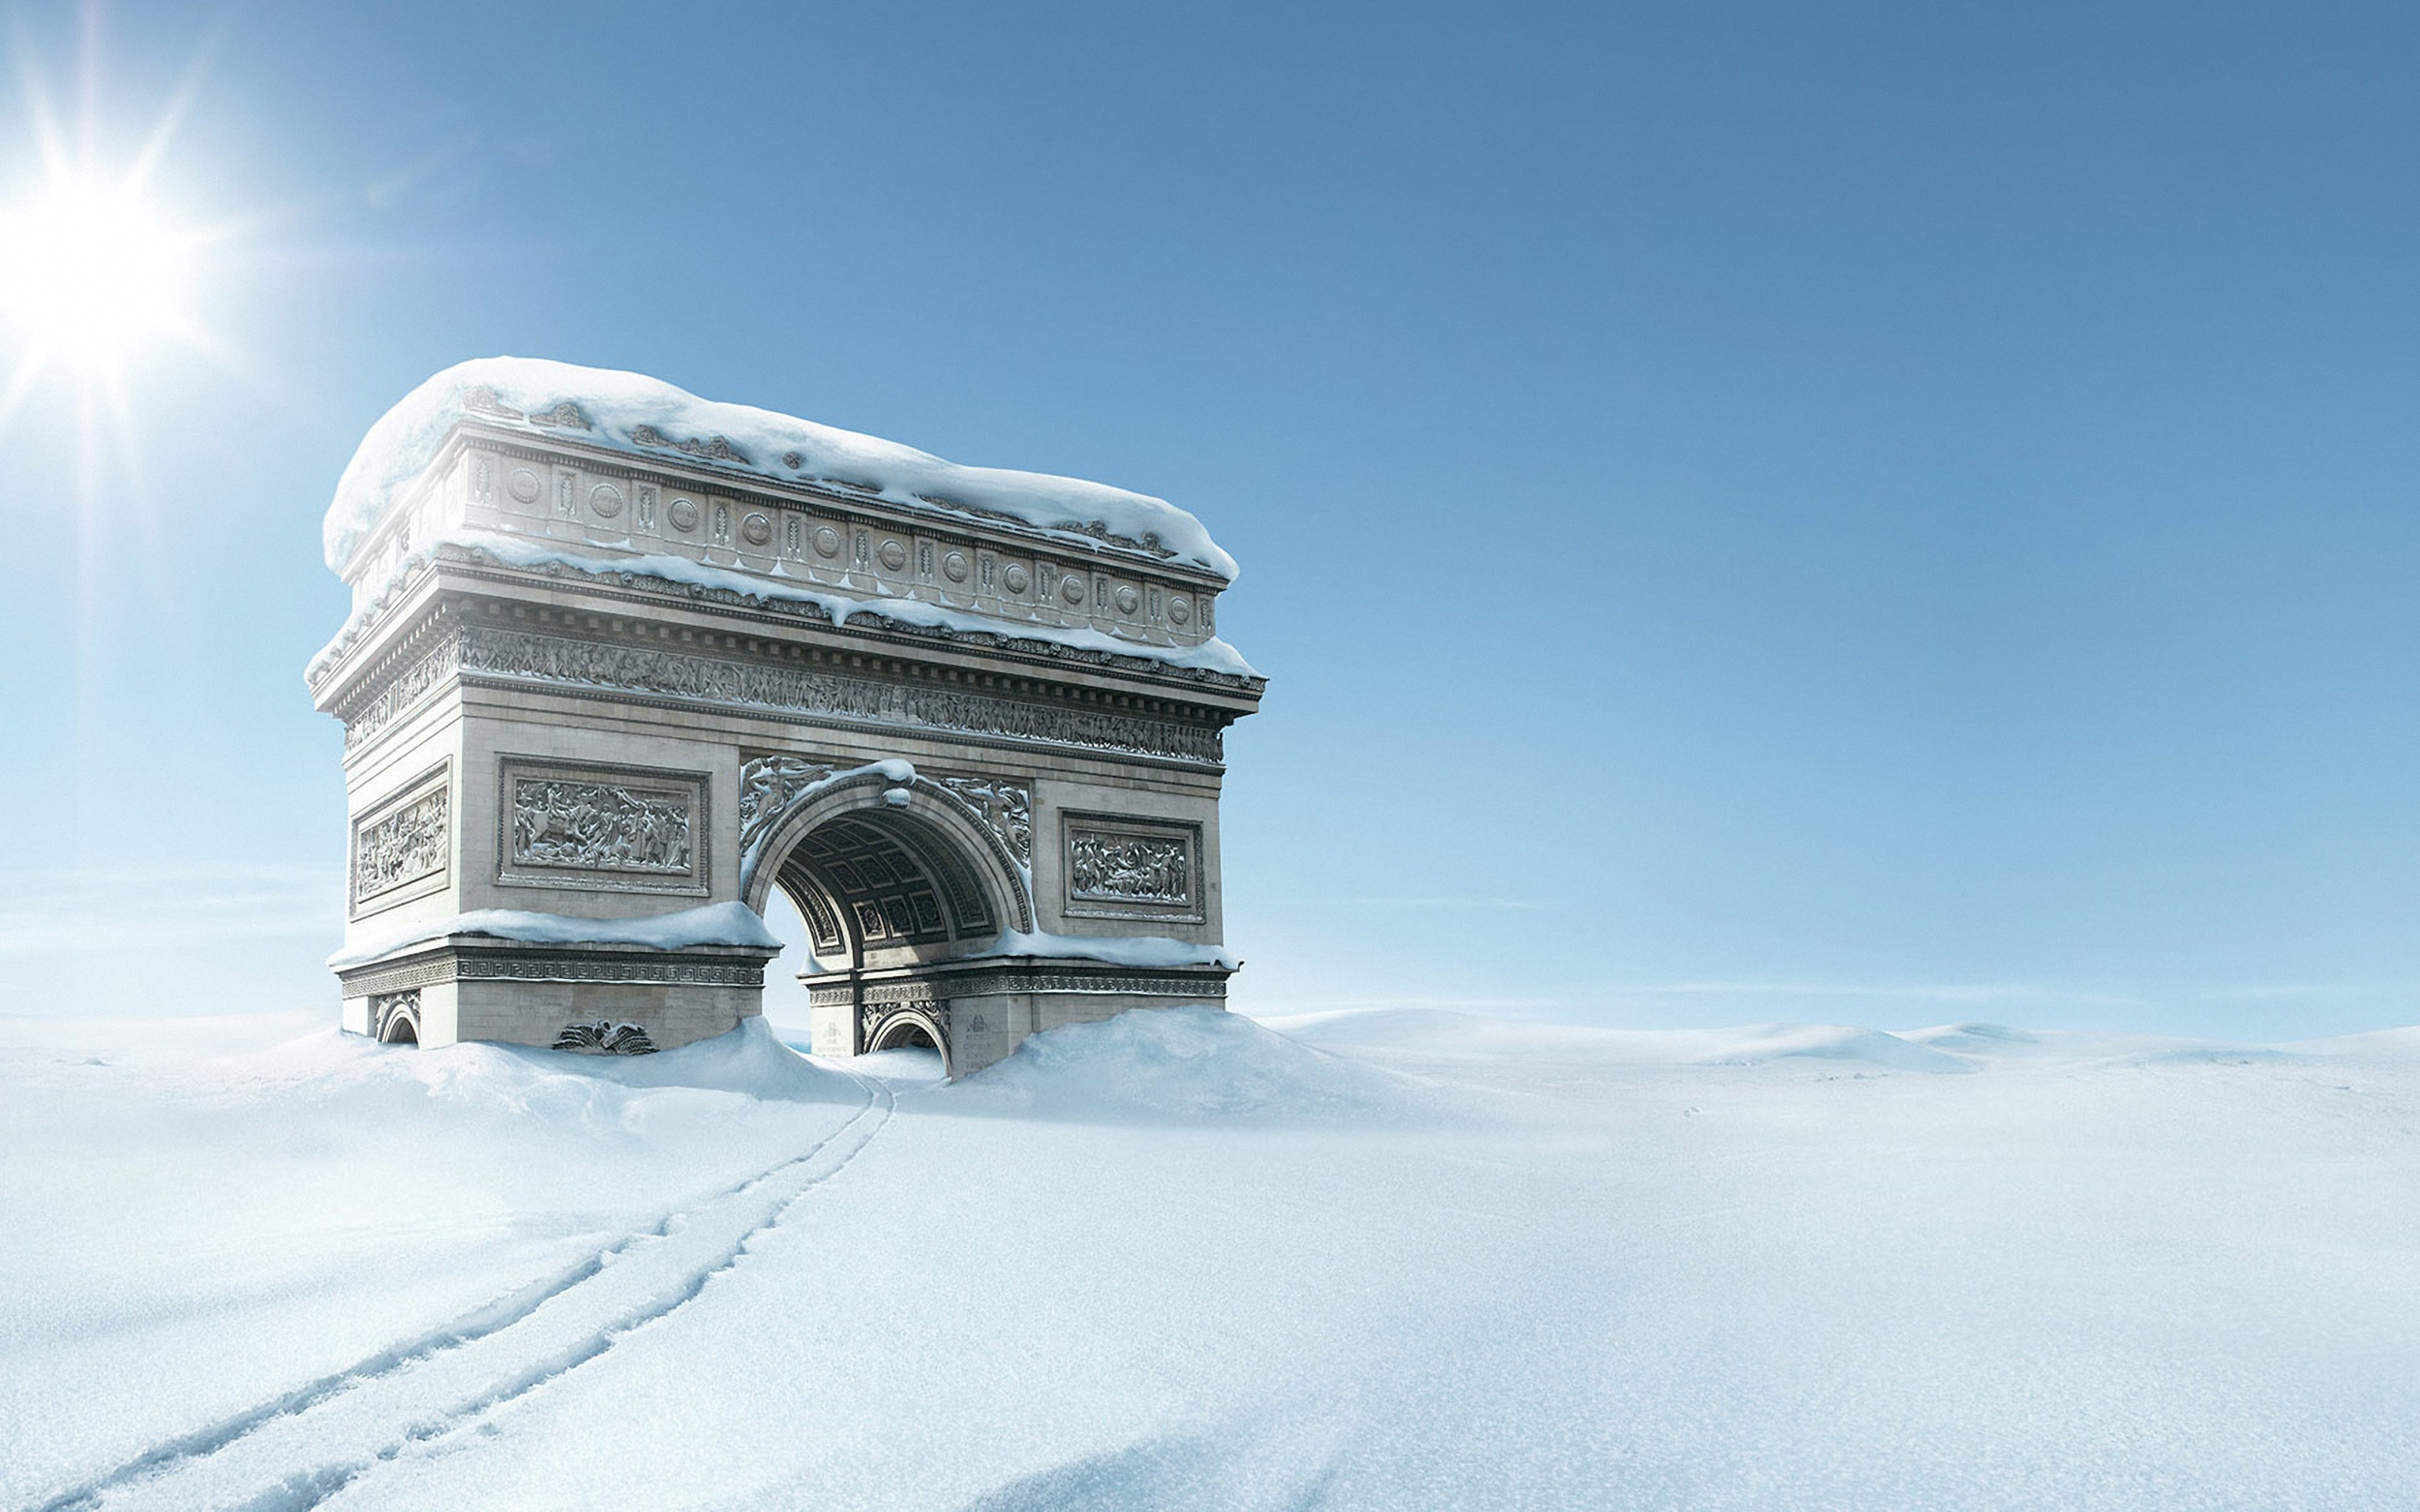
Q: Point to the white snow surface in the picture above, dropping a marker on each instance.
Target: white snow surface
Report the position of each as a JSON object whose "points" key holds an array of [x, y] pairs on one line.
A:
{"points": [[615, 404], [1188, 1063], [729, 923], [1186, 1260], [1116, 949]]}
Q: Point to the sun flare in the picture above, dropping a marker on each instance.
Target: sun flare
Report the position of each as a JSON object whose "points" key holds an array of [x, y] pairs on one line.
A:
{"points": [[87, 272]]}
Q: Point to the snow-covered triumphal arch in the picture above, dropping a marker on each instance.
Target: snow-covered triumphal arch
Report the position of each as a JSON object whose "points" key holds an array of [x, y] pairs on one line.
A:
{"points": [[622, 662]]}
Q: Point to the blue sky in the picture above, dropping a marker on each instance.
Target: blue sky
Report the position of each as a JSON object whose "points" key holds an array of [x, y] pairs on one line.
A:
{"points": [[1880, 514]]}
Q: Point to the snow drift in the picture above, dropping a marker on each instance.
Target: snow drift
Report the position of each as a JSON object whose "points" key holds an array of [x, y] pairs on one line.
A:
{"points": [[1184, 1064], [247, 1269], [727, 923], [645, 417], [1437, 1031]]}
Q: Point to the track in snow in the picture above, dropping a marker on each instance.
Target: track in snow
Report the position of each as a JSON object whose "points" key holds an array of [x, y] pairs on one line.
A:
{"points": [[296, 1450]]}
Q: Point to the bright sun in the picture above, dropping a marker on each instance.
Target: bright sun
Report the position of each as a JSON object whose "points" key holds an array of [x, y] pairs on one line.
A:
{"points": [[87, 273]]}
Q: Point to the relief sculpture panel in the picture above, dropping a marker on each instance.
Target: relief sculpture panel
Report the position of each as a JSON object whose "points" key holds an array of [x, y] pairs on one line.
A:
{"points": [[600, 827], [1130, 870], [767, 786], [621, 830], [402, 850], [1126, 868], [1006, 808], [490, 653]]}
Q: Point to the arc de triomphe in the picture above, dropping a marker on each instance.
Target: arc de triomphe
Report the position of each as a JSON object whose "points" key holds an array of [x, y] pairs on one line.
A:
{"points": [[622, 662]]}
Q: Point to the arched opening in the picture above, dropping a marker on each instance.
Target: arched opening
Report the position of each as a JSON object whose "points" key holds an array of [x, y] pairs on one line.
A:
{"points": [[894, 879], [905, 1047], [878, 889], [899, 862], [400, 1030]]}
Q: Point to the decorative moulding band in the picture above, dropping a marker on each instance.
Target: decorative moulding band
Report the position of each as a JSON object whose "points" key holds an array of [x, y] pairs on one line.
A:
{"points": [[656, 675], [483, 959], [994, 980]]}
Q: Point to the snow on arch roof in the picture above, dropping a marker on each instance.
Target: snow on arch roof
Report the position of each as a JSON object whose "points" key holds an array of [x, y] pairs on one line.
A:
{"points": [[649, 418]]}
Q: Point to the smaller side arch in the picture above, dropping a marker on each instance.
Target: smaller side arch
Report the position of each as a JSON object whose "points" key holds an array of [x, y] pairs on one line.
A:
{"points": [[394, 1019], [897, 1027]]}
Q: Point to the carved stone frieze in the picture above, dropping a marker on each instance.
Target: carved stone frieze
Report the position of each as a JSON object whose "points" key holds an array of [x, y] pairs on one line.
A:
{"points": [[493, 652], [1128, 867], [612, 827], [1141, 986], [1006, 807], [714, 449], [998, 981], [1099, 530], [684, 515], [403, 692], [450, 961], [410, 841], [385, 1008], [1120, 867], [683, 972], [599, 827], [875, 1019], [483, 400], [767, 786]]}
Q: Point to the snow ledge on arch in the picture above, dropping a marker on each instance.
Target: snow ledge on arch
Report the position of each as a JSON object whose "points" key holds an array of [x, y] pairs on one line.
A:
{"points": [[723, 924], [640, 416]]}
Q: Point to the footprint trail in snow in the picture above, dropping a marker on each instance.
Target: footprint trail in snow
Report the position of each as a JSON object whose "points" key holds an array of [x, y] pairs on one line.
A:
{"points": [[296, 1452]]}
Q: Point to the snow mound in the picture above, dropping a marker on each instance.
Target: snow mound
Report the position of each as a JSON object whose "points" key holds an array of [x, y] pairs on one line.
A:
{"points": [[1983, 1038], [2384, 1044], [645, 417], [1185, 1065], [1757, 1043], [2200, 1054], [1437, 1031], [730, 924], [1116, 949], [749, 1062]]}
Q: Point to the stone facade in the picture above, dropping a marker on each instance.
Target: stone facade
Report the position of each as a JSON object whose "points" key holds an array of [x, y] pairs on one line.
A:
{"points": [[540, 717]]}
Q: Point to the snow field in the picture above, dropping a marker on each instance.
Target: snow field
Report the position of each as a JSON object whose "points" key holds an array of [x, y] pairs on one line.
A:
{"points": [[205, 1216], [1182, 1261]]}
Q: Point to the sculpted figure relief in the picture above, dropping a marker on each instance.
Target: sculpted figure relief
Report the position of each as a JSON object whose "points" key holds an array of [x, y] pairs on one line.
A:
{"points": [[521, 655], [1129, 867], [405, 846], [766, 786], [1006, 807], [593, 825]]}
